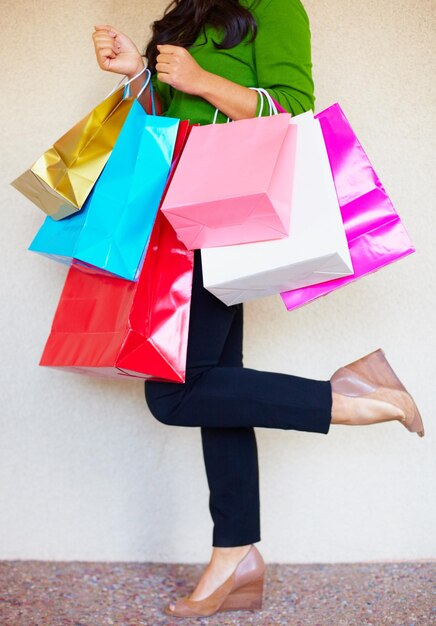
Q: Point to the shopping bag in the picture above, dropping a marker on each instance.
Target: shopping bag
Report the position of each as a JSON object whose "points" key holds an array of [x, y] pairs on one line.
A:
{"points": [[110, 327], [62, 178], [112, 230], [375, 233], [316, 248], [234, 183]]}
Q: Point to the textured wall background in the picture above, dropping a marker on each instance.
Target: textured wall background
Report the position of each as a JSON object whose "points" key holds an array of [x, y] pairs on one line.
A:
{"points": [[86, 472]]}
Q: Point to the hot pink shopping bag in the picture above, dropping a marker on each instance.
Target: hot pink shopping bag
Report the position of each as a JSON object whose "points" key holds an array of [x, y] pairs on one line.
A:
{"points": [[234, 183], [375, 234]]}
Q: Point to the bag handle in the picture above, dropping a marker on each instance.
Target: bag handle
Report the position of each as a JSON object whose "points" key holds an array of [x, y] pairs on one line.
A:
{"points": [[153, 106], [127, 84], [144, 86], [272, 103], [264, 94]]}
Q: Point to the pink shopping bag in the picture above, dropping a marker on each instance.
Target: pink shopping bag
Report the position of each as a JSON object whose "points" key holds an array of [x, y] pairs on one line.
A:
{"points": [[234, 183], [375, 234]]}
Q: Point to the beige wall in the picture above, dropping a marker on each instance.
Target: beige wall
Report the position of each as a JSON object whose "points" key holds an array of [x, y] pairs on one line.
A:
{"points": [[86, 471]]}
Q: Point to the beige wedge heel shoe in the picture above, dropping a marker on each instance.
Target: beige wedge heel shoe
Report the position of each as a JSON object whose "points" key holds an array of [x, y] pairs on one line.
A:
{"points": [[243, 590], [373, 377]]}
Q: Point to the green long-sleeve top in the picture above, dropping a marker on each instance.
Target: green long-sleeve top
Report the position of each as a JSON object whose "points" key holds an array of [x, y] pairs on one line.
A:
{"points": [[278, 60]]}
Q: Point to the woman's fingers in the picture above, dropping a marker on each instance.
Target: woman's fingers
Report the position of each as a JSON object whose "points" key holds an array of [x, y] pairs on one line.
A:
{"points": [[106, 46], [168, 48], [98, 35], [164, 61], [164, 78], [104, 39], [107, 27], [108, 52], [106, 43], [105, 49], [164, 58], [163, 67]]}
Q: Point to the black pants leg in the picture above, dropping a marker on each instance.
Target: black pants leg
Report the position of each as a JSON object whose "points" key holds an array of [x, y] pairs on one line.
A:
{"points": [[221, 395], [230, 457]]}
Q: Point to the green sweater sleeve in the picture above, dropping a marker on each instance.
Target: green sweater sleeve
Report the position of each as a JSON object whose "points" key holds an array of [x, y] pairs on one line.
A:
{"points": [[283, 60]]}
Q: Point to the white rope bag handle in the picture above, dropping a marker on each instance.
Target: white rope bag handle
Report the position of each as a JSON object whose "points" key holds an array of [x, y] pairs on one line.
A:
{"points": [[264, 94], [272, 105], [127, 84]]}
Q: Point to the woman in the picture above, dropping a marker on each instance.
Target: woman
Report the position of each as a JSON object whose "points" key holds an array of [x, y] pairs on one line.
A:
{"points": [[204, 55]]}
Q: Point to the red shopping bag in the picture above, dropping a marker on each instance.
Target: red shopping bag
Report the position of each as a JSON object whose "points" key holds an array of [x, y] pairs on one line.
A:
{"points": [[111, 327]]}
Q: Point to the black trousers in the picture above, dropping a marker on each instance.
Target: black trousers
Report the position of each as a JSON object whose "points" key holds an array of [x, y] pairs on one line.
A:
{"points": [[227, 401]]}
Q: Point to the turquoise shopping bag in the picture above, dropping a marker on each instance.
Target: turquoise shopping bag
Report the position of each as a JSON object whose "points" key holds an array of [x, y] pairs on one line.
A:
{"points": [[112, 230]]}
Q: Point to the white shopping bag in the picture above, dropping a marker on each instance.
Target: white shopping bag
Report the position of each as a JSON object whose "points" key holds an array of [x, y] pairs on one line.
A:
{"points": [[316, 249]]}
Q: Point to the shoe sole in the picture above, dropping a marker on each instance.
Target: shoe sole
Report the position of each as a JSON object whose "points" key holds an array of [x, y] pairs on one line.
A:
{"points": [[249, 597]]}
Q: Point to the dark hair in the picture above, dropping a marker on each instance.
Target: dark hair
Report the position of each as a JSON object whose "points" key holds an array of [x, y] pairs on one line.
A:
{"points": [[184, 19]]}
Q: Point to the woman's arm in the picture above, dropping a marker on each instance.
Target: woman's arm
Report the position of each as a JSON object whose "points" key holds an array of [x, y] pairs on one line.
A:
{"points": [[233, 100], [283, 54], [176, 67]]}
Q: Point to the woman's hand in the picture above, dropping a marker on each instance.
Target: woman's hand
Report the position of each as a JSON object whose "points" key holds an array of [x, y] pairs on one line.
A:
{"points": [[176, 67], [115, 52]]}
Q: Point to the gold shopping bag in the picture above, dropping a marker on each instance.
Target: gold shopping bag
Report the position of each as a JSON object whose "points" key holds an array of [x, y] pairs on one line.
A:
{"points": [[60, 181]]}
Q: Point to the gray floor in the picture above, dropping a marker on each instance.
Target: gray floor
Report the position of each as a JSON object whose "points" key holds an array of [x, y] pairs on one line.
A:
{"points": [[37, 593]]}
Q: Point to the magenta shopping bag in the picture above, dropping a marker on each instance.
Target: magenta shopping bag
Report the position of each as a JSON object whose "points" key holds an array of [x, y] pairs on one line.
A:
{"points": [[376, 237]]}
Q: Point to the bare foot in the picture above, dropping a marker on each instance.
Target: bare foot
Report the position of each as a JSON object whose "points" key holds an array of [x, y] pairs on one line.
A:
{"points": [[222, 564]]}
